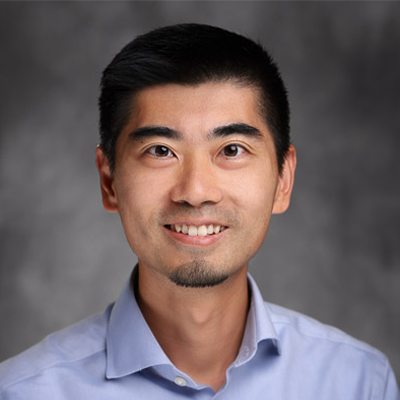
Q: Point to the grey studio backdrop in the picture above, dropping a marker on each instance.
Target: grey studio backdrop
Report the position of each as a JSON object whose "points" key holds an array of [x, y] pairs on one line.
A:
{"points": [[334, 255]]}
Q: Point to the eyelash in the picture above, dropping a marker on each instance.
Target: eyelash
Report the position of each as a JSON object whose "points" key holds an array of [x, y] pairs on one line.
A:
{"points": [[151, 150], [240, 150]]}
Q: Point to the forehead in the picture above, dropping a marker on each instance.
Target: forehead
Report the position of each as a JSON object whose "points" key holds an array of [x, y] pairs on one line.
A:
{"points": [[196, 109]]}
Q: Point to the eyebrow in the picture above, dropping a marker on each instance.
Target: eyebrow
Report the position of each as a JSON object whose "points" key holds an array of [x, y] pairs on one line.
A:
{"points": [[155, 131], [234, 129], [219, 132]]}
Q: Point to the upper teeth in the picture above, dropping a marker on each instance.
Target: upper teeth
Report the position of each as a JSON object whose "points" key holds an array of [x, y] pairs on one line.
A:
{"points": [[202, 230]]}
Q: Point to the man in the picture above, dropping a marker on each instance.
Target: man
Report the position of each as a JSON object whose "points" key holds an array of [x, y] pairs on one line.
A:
{"points": [[195, 156]]}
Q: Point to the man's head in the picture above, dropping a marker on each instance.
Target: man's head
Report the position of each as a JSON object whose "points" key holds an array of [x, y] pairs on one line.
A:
{"points": [[195, 153], [191, 54]]}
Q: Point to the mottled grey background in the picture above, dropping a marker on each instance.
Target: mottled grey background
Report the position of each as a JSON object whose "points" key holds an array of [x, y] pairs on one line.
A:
{"points": [[334, 255]]}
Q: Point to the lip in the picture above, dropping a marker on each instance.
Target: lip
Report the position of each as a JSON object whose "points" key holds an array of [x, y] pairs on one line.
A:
{"points": [[196, 240], [196, 223]]}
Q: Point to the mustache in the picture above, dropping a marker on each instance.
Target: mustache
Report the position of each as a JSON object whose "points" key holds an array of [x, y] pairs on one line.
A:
{"points": [[206, 211]]}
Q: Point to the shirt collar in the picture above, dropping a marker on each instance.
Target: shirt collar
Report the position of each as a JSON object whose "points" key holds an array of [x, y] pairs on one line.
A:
{"points": [[259, 327], [131, 346]]}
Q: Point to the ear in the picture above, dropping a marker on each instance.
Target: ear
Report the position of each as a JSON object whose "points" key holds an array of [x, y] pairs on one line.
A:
{"points": [[108, 194], [285, 183]]}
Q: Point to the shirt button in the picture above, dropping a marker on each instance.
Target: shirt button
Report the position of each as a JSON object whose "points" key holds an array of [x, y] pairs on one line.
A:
{"points": [[180, 381]]}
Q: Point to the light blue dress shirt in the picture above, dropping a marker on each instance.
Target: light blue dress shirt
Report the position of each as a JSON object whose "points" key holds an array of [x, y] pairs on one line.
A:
{"points": [[284, 356]]}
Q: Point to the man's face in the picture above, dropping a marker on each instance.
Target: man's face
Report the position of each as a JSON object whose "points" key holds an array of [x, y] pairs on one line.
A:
{"points": [[195, 181]]}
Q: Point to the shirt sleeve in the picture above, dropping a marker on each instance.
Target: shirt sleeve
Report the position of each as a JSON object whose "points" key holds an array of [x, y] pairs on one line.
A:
{"points": [[391, 390]]}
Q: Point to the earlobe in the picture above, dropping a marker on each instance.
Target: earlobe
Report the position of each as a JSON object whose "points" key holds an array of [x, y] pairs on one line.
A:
{"points": [[106, 182], [285, 184]]}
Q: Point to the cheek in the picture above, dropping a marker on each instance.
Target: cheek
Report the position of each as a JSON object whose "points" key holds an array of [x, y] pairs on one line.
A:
{"points": [[255, 192], [139, 199], [131, 204], [256, 202]]}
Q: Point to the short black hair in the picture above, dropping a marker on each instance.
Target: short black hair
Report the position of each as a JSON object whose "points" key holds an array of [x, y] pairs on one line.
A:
{"points": [[191, 54]]}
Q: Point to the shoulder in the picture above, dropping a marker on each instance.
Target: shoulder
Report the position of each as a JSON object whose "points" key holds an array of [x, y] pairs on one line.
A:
{"points": [[56, 352], [302, 326], [324, 345], [314, 355]]}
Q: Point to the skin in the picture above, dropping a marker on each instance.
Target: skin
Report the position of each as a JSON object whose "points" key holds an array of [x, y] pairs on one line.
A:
{"points": [[196, 178]]}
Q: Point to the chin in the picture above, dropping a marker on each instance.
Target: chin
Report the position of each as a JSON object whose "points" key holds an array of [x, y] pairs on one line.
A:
{"points": [[197, 274]]}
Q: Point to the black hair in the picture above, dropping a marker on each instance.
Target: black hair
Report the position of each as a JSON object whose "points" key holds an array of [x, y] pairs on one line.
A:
{"points": [[191, 54]]}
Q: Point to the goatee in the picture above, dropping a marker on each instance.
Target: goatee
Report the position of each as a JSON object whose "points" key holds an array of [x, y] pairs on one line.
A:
{"points": [[197, 274]]}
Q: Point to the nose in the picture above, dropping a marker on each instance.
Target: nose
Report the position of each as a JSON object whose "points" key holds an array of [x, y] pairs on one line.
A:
{"points": [[197, 183]]}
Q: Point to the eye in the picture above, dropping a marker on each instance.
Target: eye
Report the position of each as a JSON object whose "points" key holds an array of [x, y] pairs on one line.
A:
{"points": [[232, 150], [160, 151]]}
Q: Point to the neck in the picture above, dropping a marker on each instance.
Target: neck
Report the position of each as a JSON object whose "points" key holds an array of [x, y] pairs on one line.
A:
{"points": [[199, 329]]}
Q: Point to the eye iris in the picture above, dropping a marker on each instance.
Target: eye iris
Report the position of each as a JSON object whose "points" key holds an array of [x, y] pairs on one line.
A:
{"points": [[231, 150], [161, 151]]}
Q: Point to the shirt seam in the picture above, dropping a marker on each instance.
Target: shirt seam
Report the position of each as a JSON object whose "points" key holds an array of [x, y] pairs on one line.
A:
{"points": [[372, 351], [53, 365], [383, 390]]}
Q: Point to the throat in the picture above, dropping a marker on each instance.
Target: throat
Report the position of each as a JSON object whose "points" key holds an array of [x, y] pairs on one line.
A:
{"points": [[191, 350], [183, 321]]}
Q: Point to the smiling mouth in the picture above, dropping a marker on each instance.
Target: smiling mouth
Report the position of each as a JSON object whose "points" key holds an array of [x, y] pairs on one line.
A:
{"points": [[192, 230]]}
